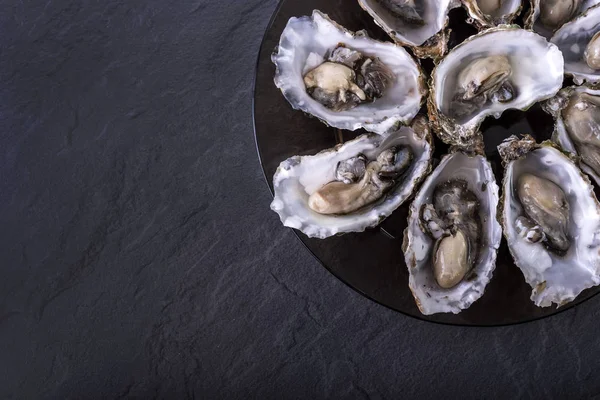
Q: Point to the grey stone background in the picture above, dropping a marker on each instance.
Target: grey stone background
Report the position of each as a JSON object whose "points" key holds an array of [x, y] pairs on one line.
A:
{"points": [[138, 254]]}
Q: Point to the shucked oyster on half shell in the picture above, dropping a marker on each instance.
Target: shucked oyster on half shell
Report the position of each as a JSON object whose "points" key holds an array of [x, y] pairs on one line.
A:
{"points": [[353, 186], [452, 237], [347, 80], [579, 41], [551, 221], [576, 110], [418, 24], [546, 16], [499, 69], [487, 13]]}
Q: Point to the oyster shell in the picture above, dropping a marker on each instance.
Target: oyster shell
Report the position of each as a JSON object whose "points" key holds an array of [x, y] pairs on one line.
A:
{"points": [[354, 185], [551, 221], [578, 41], [307, 43], [487, 13], [500, 68], [576, 110], [418, 24], [546, 16], [452, 237]]}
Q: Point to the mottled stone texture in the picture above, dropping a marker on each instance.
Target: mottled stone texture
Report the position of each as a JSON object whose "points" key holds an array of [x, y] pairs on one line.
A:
{"points": [[139, 257]]}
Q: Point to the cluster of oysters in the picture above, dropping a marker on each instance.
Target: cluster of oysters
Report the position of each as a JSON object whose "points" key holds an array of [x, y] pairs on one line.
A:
{"points": [[548, 210]]}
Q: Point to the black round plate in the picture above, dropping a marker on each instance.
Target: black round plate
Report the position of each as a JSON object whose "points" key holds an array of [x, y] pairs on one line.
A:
{"points": [[372, 262]]}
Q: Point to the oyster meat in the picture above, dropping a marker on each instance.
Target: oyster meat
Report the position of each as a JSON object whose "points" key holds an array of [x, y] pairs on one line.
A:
{"points": [[347, 80], [452, 237], [489, 7], [454, 209], [551, 221], [362, 182], [410, 11], [486, 13], [500, 68], [579, 42], [546, 16], [354, 185], [576, 110], [418, 24], [591, 54], [546, 205]]}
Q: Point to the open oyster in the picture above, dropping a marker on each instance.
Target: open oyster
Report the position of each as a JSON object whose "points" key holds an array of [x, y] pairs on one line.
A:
{"points": [[576, 110], [452, 237], [579, 41], [498, 69], [546, 16], [487, 13], [551, 221], [354, 185], [418, 24], [347, 80]]}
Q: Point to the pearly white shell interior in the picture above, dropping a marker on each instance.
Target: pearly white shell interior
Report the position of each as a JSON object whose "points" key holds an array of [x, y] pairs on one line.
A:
{"points": [[561, 136], [419, 246], [538, 27], [300, 176], [537, 71], [434, 16], [564, 276], [303, 45], [572, 39], [507, 9]]}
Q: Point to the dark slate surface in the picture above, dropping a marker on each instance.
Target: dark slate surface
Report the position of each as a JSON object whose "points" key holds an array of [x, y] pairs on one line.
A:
{"points": [[138, 254]]}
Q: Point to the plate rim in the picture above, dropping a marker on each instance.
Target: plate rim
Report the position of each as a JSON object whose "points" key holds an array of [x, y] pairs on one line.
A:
{"points": [[262, 48]]}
